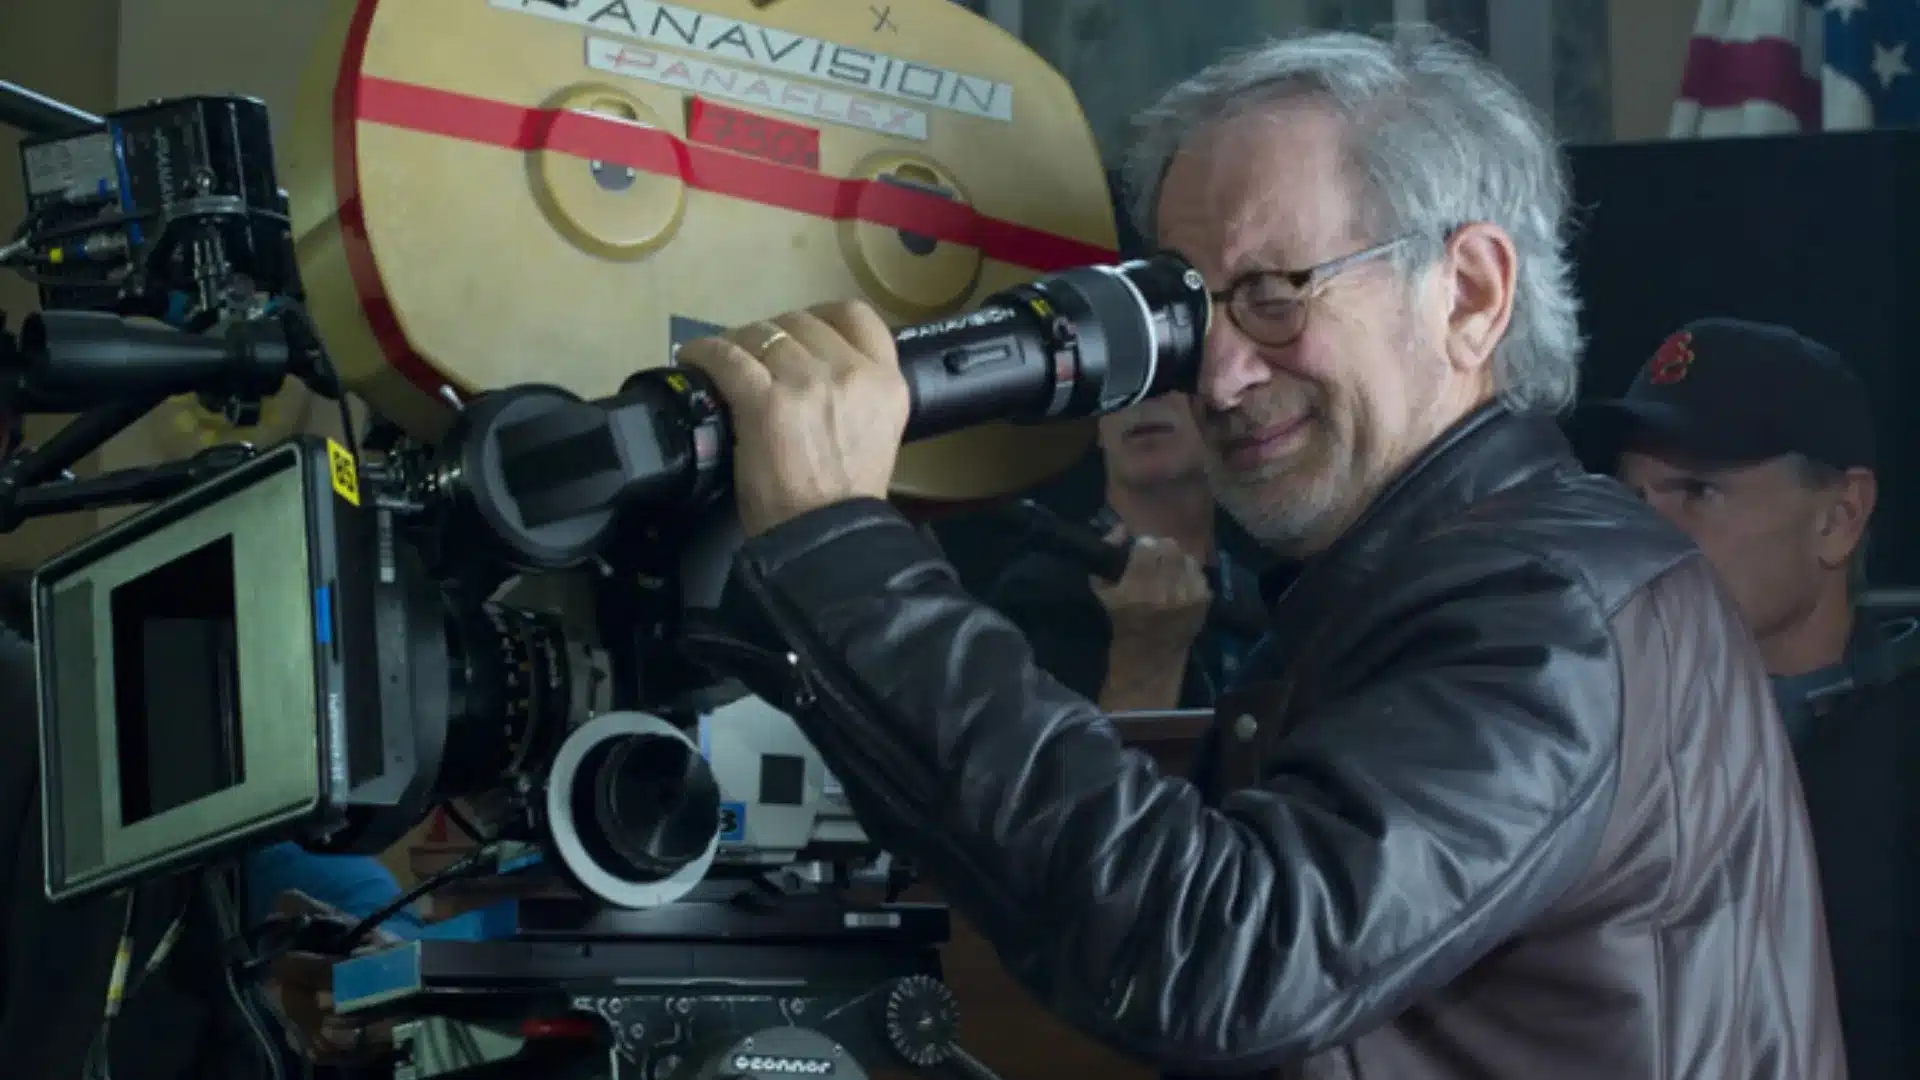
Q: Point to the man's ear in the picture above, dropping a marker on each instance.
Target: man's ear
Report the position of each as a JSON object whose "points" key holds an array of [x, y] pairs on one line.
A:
{"points": [[1844, 522], [1485, 269]]}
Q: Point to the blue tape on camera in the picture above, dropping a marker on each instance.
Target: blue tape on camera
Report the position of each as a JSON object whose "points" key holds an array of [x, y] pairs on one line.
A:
{"points": [[733, 822], [323, 615], [375, 978]]}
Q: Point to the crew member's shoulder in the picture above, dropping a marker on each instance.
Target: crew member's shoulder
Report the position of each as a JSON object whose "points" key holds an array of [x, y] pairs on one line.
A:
{"points": [[1588, 528]]}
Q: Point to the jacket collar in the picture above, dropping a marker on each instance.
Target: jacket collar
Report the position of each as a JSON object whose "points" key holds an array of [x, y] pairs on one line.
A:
{"points": [[1489, 450]]}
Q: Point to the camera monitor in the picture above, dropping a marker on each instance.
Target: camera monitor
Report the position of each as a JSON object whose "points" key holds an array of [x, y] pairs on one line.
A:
{"points": [[191, 690]]}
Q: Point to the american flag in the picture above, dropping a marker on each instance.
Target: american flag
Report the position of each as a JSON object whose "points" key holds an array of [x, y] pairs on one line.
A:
{"points": [[1762, 67]]}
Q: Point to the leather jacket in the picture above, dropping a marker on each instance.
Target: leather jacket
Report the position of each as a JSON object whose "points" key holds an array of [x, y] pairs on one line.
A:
{"points": [[1512, 801]]}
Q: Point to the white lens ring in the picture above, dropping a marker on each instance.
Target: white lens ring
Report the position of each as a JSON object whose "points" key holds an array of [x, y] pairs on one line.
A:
{"points": [[565, 831]]}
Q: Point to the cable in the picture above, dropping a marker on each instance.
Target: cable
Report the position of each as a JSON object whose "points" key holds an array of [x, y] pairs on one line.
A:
{"points": [[278, 936], [121, 988], [472, 866], [97, 1066], [251, 1000], [324, 367], [462, 822]]}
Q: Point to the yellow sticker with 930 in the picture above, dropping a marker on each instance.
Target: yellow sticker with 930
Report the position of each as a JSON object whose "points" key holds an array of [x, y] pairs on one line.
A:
{"points": [[346, 476]]}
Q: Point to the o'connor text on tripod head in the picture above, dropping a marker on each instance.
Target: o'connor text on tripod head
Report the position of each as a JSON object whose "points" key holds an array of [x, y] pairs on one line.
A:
{"points": [[322, 641]]}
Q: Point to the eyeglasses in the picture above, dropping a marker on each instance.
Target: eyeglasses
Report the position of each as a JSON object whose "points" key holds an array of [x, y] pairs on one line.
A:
{"points": [[1270, 306]]}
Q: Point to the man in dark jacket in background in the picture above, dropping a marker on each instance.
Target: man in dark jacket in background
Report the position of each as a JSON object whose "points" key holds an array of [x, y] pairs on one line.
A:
{"points": [[1511, 800], [1759, 443]]}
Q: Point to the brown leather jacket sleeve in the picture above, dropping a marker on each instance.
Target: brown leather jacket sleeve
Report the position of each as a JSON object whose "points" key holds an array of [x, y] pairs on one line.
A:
{"points": [[1453, 789]]}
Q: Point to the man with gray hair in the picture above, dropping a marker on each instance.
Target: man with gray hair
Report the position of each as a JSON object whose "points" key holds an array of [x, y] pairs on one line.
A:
{"points": [[1505, 798]]}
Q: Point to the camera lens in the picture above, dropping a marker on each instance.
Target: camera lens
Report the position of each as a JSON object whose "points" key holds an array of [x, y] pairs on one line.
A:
{"points": [[508, 688], [632, 810], [656, 803]]}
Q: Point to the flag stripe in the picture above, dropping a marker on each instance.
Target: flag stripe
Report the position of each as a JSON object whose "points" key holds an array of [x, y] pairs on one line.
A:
{"points": [[1727, 74]]}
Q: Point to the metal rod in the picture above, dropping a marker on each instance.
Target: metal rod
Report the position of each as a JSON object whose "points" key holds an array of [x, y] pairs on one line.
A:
{"points": [[1898, 599], [82, 435], [37, 114]]}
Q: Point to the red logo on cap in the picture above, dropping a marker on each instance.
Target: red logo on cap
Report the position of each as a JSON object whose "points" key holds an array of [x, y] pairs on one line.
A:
{"points": [[1673, 361]]}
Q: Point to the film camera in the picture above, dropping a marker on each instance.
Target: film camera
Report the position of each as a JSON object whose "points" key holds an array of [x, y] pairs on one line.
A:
{"points": [[505, 592]]}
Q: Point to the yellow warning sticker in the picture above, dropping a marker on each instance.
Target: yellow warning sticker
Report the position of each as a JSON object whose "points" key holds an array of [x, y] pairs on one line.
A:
{"points": [[346, 476]]}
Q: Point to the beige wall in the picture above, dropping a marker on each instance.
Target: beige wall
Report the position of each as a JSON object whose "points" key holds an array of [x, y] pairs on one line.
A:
{"points": [[167, 48], [1648, 42]]}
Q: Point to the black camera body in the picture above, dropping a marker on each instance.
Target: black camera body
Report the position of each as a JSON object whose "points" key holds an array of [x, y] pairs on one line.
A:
{"points": [[167, 205]]}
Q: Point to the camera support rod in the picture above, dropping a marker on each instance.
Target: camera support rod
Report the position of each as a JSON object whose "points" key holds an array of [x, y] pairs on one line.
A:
{"points": [[37, 114], [82, 436]]}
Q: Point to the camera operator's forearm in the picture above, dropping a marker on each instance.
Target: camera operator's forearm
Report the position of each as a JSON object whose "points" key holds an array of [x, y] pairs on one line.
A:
{"points": [[1137, 683]]}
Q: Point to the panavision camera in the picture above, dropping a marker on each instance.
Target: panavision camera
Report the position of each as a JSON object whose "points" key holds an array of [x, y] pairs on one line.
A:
{"points": [[487, 597]]}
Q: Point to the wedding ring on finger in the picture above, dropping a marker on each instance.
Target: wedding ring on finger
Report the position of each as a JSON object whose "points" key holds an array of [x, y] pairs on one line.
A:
{"points": [[767, 343]]}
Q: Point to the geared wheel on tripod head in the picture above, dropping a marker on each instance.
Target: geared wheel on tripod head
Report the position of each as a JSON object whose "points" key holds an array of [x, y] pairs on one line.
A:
{"points": [[923, 1021]]}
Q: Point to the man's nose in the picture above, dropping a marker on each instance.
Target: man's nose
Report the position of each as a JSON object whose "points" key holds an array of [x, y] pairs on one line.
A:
{"points": [[1229, 368]]}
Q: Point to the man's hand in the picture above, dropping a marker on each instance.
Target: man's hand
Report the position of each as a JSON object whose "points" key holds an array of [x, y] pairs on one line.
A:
{"points": [[818, 407], [1159, 605], [302, 985], [1156, 609]]}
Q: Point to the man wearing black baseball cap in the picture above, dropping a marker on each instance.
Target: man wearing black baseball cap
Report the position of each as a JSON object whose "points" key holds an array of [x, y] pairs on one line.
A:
{"points": [[1758, 442]]}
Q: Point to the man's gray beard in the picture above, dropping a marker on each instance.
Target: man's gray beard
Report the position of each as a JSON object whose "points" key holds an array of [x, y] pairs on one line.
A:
{"points": [[1286, 525]]}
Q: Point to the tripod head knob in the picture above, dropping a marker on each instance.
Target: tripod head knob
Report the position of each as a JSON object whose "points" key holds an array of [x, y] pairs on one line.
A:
{"points": [[923, 1021]]}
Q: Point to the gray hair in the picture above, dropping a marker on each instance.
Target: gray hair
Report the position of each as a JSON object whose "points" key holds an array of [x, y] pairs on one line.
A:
{"points": [[1441, 139]]}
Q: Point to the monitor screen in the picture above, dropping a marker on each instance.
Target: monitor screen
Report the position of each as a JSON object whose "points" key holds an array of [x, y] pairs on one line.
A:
{"points": [[176, 683], [181, 702]]}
